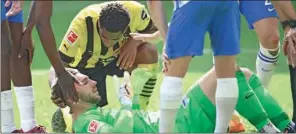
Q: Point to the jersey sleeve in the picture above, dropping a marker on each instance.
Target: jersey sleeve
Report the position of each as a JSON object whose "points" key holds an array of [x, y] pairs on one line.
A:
{"points": [[92, 124], [143, 20], [71, 42], [122, 120]]}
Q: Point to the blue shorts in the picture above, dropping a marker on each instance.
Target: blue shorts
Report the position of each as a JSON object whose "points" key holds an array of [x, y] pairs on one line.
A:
{"points": [[17, 18], [256, 10], [190, 23]]}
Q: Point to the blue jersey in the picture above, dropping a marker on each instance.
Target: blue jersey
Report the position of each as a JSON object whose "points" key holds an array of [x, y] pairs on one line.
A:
{"points": [[255, 10]]}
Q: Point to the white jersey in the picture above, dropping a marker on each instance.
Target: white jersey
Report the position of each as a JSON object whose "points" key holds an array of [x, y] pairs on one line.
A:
{"points": [[180, 3]]}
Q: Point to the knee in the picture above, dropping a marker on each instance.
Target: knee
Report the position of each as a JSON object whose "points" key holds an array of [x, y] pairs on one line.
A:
{"points": [[147, 54], [247, 72], [271, 41]]}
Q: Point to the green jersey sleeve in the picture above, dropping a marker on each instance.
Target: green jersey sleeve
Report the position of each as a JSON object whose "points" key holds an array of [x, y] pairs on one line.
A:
{"points": [[91, 124], [100, 121]]}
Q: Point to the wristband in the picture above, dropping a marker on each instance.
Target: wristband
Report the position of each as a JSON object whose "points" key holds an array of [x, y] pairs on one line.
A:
{"points": [[290, 23]]}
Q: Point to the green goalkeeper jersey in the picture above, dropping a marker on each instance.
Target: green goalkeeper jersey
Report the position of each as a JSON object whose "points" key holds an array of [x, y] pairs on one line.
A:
{"points": [[96, 120]]}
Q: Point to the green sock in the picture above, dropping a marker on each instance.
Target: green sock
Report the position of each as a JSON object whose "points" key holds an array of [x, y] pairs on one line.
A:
{"points": [[274, 111], [248, 104], [143, 81]]}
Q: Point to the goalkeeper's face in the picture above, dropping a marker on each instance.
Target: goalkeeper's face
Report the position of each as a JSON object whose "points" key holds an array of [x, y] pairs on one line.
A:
{"points": [[87, 90]]}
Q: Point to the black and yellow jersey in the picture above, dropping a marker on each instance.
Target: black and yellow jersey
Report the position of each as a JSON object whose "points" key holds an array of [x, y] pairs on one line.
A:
{"points": [[82, 46]]}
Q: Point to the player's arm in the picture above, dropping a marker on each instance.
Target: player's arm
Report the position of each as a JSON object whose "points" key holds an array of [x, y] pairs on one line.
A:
{"points": [[70, 43], [158, 16], [106, 123], [287, 16], [43, 13]]}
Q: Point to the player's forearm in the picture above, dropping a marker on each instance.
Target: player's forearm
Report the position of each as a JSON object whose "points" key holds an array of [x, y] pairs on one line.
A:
{"points": [[43, 12], [31, 18], [285, 10], [158, 16]]}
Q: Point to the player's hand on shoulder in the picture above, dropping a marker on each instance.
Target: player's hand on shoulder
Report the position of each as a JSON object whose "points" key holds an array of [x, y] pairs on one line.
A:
{"points": [[16, 7], [128, 54], [153, 38], [27, 47], [289, 46]]}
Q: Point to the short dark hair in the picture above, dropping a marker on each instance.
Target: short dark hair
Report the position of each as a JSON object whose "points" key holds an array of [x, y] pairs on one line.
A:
{"points": [[114, 17]]}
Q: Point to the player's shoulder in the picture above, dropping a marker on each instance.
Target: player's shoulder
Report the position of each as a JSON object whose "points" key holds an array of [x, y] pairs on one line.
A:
{"points": [[87, 122], [132, 6]]}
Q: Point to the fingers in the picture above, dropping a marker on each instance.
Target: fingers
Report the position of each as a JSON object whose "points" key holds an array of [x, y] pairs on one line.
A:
{"points": [[291, 44], [7, 3], [120, 59], [58, 101], [131, 61], [124, 62], [15, 8]]}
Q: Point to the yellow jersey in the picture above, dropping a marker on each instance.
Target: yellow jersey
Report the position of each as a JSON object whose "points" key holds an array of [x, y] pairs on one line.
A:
{"points": [[82, 46]]}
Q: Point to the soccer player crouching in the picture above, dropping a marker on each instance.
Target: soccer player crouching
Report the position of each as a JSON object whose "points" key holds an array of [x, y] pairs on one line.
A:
{"points": [[98, 44]]}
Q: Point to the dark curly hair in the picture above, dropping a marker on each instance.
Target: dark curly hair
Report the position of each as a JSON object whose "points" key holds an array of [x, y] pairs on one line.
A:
{"points": [[114, 17]]}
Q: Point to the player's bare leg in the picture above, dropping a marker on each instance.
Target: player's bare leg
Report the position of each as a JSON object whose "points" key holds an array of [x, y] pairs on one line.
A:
{"points": [[171, 91], [226, 92], [268, 34], [7, 117], [22, 80]]}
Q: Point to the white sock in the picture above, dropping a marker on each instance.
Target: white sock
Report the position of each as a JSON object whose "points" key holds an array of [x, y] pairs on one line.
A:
{"points": [[7, 117], [170, 98], [25, 101], [226, 99], [265, 65]]}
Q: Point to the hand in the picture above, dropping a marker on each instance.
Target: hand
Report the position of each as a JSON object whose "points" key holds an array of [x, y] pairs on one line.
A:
{"points": [[289, 46], [165, 62], [128, 54], [125, 91], [16, 7], [150, 38], [56, 100], [27, 47], [66, 82]]}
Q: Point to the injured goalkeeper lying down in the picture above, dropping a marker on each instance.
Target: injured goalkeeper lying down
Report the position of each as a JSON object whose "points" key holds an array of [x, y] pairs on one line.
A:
{"points": [[195, 115]]}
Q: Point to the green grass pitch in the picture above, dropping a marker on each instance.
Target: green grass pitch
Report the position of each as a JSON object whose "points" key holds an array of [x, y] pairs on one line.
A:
{"points": [[64, 12]]}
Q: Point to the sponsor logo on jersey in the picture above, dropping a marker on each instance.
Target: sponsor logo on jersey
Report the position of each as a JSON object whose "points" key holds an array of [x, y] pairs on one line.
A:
{"points": [[66, 47], [93, 126], [144, 15], [72, 37], [185, 101]]}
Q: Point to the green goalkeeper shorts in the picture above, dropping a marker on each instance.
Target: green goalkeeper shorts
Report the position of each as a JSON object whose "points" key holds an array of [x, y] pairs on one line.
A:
{"points": [[196, 114]]}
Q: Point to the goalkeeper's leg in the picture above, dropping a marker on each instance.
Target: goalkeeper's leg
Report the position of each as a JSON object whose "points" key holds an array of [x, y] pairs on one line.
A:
{"points": [[274, 111], [249, 106]]}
